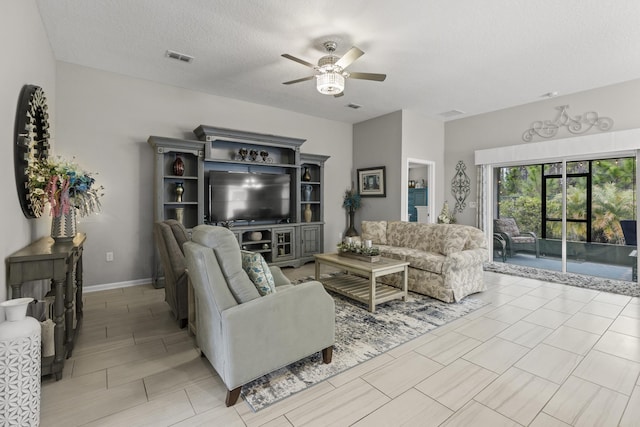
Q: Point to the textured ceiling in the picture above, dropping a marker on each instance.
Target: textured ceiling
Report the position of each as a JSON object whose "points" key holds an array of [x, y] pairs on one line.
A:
{"points": [[471, 55]]}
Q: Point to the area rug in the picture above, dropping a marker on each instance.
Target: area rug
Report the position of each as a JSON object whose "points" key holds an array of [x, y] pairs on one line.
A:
{"points": [[600, 284], [360, 336]]}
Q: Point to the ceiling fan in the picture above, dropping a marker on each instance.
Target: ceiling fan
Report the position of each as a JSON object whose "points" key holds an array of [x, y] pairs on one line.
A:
{"points": [[330, 72]]}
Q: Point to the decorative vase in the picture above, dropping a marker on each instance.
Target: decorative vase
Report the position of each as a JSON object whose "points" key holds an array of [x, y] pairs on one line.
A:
{"points": [[180, 215], [351, 230], [255, 236], [306, 176], [264, 154], [253, 155], [307, 193], [307, 213], [243, 153], [179, 191], [178, 166], [20, 365], [64, 227]]}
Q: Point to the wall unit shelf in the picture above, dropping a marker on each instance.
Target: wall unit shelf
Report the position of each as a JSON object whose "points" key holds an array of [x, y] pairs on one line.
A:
{"points": [[186, 206], [287, 242]]}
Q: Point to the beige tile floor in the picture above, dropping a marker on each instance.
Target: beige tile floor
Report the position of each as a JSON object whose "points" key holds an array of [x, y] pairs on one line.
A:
{"points": [[541, 354]]}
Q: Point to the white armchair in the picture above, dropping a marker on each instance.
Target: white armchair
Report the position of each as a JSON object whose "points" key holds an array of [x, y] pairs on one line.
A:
{"points": [[246, 340]]}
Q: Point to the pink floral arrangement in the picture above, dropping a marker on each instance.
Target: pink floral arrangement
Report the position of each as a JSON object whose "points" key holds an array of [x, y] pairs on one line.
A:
{"points": [[64, 185]]}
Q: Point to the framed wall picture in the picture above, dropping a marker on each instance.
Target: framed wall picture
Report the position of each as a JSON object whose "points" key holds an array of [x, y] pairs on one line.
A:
{"points": [[371, 182]]}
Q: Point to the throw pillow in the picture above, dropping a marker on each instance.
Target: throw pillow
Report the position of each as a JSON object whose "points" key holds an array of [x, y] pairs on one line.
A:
{"points": [[454, 240], [376, 231], [259, 272]]}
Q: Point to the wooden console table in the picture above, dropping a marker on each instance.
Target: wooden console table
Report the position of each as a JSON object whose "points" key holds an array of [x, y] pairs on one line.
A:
{"points": [[62, 263]]}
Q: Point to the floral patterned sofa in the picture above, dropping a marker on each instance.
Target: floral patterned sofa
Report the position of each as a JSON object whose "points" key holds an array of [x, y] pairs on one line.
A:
{"points": [[445, 260]]}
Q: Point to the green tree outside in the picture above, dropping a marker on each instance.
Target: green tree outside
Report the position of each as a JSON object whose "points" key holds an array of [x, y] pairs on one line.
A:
{"points": [[613, 198]]}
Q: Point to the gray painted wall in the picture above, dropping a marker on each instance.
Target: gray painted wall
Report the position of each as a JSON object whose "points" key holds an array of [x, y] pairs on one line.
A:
{"points": [[105, 119], [28, 60], [378, 142], [389, 141], [621, 102]]}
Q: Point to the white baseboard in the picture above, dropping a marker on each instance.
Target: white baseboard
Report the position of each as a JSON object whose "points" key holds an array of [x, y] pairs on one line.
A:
{"points": [[116, 285]]}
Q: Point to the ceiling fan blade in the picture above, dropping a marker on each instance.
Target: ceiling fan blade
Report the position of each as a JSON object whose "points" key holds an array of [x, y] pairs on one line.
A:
{"points": [[339, 95], [368, 76], [298, 60], [304, 79], [348, 58]]}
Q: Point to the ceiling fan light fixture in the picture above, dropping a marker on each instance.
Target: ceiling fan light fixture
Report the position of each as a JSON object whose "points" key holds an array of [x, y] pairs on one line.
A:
{"points": [[331, 83]]}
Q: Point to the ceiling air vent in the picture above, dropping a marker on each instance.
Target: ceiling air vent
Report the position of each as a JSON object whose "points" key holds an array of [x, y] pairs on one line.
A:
{"points": [[451, 113], [354, 106], [179, 56]]}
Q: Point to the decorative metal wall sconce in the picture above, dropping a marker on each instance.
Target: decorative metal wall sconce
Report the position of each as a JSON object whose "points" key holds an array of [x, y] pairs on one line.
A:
{"points": [[460, 187], [575, 125]]}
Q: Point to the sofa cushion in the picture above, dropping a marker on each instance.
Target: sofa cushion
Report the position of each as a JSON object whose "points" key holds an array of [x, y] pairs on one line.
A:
{"points": [[425, 237], [524, 239], [393, 252], [476, 240], [454, 239], [445, 239], [427, 261], [376, 231], [412, 235], [258, 271], [421, 260]]}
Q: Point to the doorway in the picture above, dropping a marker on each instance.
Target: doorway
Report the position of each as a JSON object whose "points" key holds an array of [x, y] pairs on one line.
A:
{"points": [[419, 183]]}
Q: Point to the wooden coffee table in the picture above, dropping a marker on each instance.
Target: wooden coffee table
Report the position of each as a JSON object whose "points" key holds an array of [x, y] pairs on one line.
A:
{"points": [[363, 289]]}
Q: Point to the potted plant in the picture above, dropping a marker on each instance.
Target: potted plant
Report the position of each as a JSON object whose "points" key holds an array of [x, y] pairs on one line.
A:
{"points": [[351, 202]]}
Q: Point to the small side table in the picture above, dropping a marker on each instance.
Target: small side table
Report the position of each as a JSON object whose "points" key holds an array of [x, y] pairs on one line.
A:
{"points": [[62, 263]]}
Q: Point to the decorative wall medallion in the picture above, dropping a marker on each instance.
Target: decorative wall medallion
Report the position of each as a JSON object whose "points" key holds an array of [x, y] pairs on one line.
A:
{"points": [[31, 143], [460, 187], [575, 125]]}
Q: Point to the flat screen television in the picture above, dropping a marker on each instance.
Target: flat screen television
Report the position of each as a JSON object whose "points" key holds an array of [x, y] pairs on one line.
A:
{"points": [[243, 196]]}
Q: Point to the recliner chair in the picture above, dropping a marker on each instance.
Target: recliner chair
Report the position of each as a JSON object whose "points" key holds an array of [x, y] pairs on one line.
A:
{"points": [[244, 335], [170, 235]]}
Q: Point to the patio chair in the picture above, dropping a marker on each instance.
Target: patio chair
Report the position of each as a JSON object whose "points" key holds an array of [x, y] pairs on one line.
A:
{"points": [[517, 241]]}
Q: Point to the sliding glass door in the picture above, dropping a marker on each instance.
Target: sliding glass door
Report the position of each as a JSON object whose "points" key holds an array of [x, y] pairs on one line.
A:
{"points": [[577, 211]]}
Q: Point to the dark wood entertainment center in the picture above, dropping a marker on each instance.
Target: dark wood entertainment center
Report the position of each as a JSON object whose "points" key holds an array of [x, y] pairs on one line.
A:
{"points": [[290, 241]]}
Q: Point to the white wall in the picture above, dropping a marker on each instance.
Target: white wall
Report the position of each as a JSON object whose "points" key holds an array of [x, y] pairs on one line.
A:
{"points": [[28, 59], [389, 141], [378, 142], [422, 138], [104, 119], [620, 102]]}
